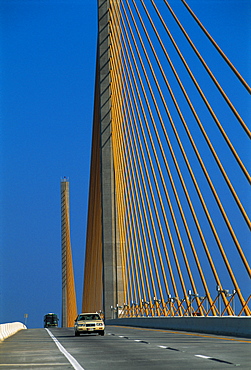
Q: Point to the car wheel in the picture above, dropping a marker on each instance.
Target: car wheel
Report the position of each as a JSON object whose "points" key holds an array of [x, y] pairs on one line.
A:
{"points": [[77, 334], [102, 333]]}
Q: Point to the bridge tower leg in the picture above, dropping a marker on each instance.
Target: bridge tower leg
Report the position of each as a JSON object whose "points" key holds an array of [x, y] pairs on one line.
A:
{"points": [[112, 275], [103, 277], [69, 305]]}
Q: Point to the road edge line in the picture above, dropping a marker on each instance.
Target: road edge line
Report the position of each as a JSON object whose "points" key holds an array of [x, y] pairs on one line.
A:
{"points": [[61, 348]]}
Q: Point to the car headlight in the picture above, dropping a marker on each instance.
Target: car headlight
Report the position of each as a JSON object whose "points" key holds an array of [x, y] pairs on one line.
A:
{"points": [[99, 324], [81, 324]]}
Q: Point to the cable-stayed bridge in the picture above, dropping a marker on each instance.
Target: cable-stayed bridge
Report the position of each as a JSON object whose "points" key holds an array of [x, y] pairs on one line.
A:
{"points": [[168, 226]]}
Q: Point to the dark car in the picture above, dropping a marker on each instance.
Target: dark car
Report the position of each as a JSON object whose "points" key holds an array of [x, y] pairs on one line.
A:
{"points": [[50, 319]]}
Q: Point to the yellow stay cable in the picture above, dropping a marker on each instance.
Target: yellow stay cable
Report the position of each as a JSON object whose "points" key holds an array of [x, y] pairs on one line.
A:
{"points": [[131, 109], [138, 94], [149, 234], [208, 142], [245, 84], [189, 236], [230, 104], [230, 145], [146, 194], [118, 183], [115, 29], [228, 224], [133, 148], [116, 94], [225, 259], [181, 244], [239, 204]]}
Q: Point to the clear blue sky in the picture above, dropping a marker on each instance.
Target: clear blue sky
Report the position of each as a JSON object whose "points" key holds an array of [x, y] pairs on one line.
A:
{"points": [[47, 66], [48, 53]]}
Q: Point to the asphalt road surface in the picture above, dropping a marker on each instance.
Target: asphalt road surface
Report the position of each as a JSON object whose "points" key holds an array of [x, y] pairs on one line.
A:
{"points": [[123, 348]]}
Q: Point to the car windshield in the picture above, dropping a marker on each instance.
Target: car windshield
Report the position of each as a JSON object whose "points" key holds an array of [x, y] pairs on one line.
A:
{"points": [[89, 317]]}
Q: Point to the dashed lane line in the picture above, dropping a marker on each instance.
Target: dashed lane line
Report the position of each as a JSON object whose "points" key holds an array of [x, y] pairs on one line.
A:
{"points": [[175, 349], [217, 360], [184, 333], [140, 341]]}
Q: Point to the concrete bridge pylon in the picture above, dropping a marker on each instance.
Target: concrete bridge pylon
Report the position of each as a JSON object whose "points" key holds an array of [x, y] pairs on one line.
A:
{"points": [[69, 304]]}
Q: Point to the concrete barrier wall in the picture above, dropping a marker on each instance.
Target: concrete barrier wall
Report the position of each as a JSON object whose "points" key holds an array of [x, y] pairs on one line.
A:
{"points": [[6, 330], [226, 325]]}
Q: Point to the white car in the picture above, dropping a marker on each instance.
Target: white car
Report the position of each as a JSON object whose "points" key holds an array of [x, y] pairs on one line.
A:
{"points": [[89, 323]]}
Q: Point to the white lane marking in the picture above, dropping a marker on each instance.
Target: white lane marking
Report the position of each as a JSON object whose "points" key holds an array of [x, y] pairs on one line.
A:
{"points": [[69, 357], [174, 349]]}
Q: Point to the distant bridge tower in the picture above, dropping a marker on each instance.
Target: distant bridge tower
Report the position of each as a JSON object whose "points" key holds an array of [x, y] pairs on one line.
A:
{"points": [[69, 305]]}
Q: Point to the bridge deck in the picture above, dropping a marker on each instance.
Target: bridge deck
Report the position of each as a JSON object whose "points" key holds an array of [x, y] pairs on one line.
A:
{"points": [[123, 348]]}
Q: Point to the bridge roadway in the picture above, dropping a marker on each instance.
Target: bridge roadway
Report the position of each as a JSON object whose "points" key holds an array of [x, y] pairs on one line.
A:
{"points": [[122, 348]]}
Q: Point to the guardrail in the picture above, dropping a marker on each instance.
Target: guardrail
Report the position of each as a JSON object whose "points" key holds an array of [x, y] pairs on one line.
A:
{"points": [[6, 330], [227, 325]]}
